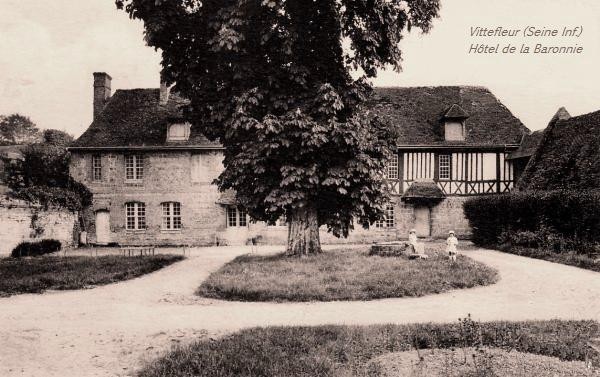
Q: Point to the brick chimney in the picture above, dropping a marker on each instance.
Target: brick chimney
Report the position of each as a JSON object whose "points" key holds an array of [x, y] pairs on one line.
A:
{"points": [[101, 91]]}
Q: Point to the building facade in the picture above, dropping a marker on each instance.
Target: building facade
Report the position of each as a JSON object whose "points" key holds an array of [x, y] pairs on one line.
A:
{"points": [[151, 173]]}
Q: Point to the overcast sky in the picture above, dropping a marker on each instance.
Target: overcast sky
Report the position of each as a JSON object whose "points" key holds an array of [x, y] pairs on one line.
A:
{"points": [[49, 50]]}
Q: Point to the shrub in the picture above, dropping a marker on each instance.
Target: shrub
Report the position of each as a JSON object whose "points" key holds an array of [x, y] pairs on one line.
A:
{"points": [[42, 176], [34, 249], [556, 220], [74, 198]]}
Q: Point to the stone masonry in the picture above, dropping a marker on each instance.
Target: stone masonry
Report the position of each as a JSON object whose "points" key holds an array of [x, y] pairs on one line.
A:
{"points": [[20, 221], [445, 216]]}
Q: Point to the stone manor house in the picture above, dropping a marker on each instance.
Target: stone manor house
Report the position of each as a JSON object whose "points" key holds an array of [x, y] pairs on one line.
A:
{"points": [[151, 173]]}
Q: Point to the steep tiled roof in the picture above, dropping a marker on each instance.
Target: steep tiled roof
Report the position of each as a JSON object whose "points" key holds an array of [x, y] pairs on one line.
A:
{"points": [[567, 156], [418, 112], [528, 145], [135, 118]]}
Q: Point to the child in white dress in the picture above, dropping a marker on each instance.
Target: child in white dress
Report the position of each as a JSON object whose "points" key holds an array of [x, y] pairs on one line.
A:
{"points": [[451, 243], [413, 240]]}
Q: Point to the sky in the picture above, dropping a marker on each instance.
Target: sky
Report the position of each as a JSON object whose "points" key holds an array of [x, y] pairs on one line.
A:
{"points": [[49, 50]]}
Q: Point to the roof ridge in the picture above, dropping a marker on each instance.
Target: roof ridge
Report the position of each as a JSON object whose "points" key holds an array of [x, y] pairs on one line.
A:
{"points": [[582, 115], [461, 86], [135, 89]]}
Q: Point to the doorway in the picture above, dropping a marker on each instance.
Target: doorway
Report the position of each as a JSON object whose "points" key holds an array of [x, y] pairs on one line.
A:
{"points": [[423, 221], [103, 227]]}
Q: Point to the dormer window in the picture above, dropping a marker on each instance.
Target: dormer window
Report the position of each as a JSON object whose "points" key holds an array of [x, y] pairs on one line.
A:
{"points": [[178, 132], [454, 131], [454, 123]]}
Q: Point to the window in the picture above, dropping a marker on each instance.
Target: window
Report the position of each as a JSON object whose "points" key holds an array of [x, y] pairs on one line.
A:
{"points": [[96, 167], [134, 167], [135, 216], [392, 168], [242, 217], [454, 131], [171, 216], [231, 216], [444, 172], [236, 217], [178, 132], [388, 220]]}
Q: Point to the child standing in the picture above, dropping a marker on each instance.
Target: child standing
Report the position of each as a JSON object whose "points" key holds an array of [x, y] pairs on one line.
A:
{"points": [[451, 243]]}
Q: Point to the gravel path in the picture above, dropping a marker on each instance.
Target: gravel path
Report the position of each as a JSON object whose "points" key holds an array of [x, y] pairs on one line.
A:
{"points": [[112, 330]]}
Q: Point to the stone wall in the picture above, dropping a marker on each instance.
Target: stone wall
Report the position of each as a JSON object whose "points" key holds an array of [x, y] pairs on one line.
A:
{"points": [[445, 216], [277, 235], [20, 222], [449, 215]]}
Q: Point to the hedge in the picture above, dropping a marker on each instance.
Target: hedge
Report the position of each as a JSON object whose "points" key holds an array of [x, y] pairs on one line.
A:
{"points": [[553, 219], [34, 249]]}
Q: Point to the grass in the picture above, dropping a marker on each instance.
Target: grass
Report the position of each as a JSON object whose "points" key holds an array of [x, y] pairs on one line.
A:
{"points": [[341, 275], [349, 351], [568, 258], [35, 275]]}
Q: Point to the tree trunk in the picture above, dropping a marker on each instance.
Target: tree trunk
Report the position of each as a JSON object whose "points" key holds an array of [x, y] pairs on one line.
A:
{"points": [[303, 232]]}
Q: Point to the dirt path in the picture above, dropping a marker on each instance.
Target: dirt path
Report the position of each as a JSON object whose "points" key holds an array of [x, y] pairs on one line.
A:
{"points": [[112, 330]]}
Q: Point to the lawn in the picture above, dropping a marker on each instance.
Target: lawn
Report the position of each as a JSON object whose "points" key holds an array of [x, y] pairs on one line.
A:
{"points": [[341, 275], [35, 275], [544, 346]]}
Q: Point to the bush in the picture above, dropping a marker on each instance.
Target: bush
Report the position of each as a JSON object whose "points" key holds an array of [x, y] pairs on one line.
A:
{"points": [[557, 220], [42, 176], [34, 249]]}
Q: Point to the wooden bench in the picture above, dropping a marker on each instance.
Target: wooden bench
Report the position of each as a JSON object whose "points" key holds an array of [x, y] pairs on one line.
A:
{"points": [[132, 251]]}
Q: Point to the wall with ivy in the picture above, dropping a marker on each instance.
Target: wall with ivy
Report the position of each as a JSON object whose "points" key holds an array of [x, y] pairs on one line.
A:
{"points": [[20, 221]]}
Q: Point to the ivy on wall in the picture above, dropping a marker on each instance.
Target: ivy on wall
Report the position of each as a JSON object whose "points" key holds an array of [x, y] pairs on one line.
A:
{"points": [[42, 177]]}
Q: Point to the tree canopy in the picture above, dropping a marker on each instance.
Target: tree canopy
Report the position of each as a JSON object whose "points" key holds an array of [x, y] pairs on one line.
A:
{"points": [[16, 129], [57, 138], [272, 80]]}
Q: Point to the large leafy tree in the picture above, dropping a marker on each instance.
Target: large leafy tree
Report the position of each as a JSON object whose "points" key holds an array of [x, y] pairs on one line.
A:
{"points": [[18, 129], [271, 79]]}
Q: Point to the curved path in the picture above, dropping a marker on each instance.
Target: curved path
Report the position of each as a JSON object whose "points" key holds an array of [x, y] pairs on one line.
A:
{"points": [[112, 330]]}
